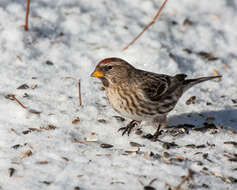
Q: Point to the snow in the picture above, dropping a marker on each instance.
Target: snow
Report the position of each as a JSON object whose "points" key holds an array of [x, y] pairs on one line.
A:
{"points": [[75, 35]]}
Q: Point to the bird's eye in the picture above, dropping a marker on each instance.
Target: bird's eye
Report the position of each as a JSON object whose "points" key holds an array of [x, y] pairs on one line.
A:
{"points": [[108, 67]]}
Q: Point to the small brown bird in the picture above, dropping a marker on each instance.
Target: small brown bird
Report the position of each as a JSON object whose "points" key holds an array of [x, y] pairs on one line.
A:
{"points": [[141, 95]]}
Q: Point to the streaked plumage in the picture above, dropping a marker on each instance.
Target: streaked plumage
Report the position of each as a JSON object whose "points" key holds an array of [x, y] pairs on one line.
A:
{"points": [[141, 95]]}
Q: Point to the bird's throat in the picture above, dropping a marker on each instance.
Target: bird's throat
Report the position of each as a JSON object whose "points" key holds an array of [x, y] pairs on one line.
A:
{"points": [[105, 81]]}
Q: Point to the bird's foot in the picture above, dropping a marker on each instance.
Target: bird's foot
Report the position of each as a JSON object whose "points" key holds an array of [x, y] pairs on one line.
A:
{"points": [[156, 135], [129, 127]]}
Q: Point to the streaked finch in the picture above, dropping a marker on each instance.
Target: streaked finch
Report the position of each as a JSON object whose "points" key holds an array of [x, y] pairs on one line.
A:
{"points": [[141, 95]]}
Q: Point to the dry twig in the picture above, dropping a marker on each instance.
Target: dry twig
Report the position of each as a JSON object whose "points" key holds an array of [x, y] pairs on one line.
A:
{"points": [[147, 26], [13, 96], [27, 15], [185, 178], [79, 92]]}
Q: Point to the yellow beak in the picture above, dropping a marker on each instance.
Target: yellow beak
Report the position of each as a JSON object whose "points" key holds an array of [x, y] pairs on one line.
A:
{"points": [[97, 74]]}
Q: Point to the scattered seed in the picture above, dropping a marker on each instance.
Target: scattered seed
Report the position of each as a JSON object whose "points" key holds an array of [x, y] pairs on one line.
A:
{"points": [[231, 142], [117, 182], [135, 149], [232, 179], [210, 118], [49, 63], [76, 120], [148, 136], [232, 159], [23, 86], [190, 146], [92, 133], [208, 56], [199, 163], [48, 127], [187, 50], [46, 182], [165, 154], [26, 132], [179, 158], [16, 146], [205, 185], [167, 145], [187, 22], [26, 95], [101, 120], [173, 22], [102, 88], [11, 171], [34, 111], [148, 155], [88, 139], [118, 118], [191, 100], [205, 155], [106, 145], [103, 155], [134, 144], [78, 141], [34, 129], [234, 101], [155, 156], [26, 154], [208, 103], [65, 158], [201, 146], [43, 162], [33, 86], [149, 188], [138, 132]]}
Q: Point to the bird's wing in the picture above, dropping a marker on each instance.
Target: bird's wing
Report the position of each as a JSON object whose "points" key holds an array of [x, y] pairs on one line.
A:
{"points": [[156, 86]]}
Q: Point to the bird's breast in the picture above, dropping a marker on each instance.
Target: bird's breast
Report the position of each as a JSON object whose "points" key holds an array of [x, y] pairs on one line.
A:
{"points": [[129, 104]]}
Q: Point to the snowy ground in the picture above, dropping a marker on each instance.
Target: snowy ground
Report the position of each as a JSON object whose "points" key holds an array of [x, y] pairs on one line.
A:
{"points": [[65, 41]]}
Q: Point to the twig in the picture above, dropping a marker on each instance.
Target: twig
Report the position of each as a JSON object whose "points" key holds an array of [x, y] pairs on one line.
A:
{"points": [[79, 92], [146, 27], [186, 178], [27, 15], [152, 181], [13, 96]]}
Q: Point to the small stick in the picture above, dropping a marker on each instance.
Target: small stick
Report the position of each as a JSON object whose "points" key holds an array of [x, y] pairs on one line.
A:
{"points": [[146, 27], [27, 15], [79, 92], [13, 96], [186, 178], [152, 181]]}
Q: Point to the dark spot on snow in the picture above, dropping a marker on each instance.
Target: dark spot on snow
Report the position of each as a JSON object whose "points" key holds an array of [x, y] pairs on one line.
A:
{"points": [[106, 145], [149, 188], [119, 118], [187, 22], [23, 86], [49, 63]]}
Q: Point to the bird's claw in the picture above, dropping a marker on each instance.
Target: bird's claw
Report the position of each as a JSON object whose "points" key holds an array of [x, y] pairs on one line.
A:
{"points": [[128, 128]]}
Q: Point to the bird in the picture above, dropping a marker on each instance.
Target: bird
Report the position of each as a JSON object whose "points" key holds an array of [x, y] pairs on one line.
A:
{"points": [[141, 95]]}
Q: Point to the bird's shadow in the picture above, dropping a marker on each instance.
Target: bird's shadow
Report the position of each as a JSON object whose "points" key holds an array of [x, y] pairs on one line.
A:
{"points": [[225, 118]]}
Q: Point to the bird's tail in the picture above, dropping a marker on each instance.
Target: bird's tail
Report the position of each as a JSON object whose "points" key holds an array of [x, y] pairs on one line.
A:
{"points": [[191, 82]]}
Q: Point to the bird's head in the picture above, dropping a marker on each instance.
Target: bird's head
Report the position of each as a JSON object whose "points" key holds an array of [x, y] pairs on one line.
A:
{"points": [[112, 70]]}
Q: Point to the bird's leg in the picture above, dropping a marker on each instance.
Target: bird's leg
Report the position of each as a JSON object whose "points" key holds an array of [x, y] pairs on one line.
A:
{"points": [[160, 123], [129, 127]]}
